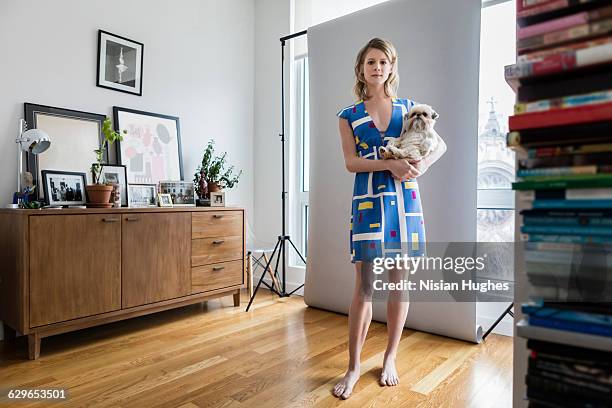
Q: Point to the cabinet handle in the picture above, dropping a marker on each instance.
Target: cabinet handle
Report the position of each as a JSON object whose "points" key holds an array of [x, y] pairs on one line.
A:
{"points": [[132, 219], [217, 242], [110, 220], [218, 268], [217, 216]]}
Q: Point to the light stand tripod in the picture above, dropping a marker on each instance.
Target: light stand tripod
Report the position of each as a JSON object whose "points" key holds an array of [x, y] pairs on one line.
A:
{"points": [[499, 319], [284, 237]]}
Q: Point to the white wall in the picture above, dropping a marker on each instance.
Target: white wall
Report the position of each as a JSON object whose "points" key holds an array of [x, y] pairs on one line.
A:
{"points": [[198, 65]]}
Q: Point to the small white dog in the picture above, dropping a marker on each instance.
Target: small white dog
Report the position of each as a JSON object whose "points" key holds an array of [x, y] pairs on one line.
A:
{"points": [[418, 137]]}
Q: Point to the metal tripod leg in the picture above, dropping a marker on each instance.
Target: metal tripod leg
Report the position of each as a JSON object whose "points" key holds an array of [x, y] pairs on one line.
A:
{"points": [[507, 311], [262, 275]]}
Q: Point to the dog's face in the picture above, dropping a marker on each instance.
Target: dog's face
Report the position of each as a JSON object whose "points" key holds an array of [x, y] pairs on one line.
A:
{"points": [[421, 118]]}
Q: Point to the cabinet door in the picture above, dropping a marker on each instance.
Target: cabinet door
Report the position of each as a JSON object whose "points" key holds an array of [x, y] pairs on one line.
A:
{"points": [[75, 266], [156, 254]]}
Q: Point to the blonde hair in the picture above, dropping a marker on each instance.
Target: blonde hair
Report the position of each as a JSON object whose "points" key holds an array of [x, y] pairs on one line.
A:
{"points": [[391, 84]]}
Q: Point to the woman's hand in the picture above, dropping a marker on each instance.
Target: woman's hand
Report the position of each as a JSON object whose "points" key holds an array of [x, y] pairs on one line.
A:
{"points": [[401, 169], [421, 165]]}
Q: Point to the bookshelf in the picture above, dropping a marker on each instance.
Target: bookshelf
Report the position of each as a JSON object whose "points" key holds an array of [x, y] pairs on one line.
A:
{"points": [[562, 133]]}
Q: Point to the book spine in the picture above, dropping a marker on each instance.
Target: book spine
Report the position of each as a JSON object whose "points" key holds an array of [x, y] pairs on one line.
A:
{"points": [[553, 204], [570, 326], [552, 25], [540, 8], [568, 150], [566, 230], [592, 221], [564, 102], [565, 182], [557, 387], [560, 117], [557, 171], [554, 37], [541, 54], [562, 246], [567, 239]]}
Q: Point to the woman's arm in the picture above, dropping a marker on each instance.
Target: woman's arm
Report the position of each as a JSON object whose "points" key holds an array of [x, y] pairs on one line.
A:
{"points": [[400, 169]]}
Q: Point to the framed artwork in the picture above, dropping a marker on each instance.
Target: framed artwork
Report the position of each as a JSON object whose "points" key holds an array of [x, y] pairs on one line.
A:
{"points": [[164, 200], [217, 199], [74, 137], [116, 174], [182, 192], [64, 188], [151, 149], [142, 195], [119, 63]]}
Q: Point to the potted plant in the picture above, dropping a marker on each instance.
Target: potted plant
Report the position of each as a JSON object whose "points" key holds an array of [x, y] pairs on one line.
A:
{"points": [[211, 175], [98, 194]]}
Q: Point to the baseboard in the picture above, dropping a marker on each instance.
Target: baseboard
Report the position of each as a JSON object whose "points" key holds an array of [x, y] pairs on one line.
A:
{"points": [[504, 328]]}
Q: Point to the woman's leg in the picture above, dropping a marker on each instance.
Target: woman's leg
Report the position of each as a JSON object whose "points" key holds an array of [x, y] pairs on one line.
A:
{"points": [[397, 311], [360, 316]]}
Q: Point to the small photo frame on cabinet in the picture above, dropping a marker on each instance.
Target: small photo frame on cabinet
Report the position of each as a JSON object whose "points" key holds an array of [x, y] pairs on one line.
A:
{"points": [[64, 188], [116, 174], [182, 192], [142, 195], [217, 199], [164, 200]]}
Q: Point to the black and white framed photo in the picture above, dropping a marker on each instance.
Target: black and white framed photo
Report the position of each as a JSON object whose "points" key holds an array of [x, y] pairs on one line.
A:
{"points": [[151, 148], [182, 192], [164, 200], [74, 137], [142, 195], [116, 174], [64, 188], [119, 63], [217, 199]]}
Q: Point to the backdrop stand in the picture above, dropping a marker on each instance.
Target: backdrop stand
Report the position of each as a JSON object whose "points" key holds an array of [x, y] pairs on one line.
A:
{"points": [[282, 239]]}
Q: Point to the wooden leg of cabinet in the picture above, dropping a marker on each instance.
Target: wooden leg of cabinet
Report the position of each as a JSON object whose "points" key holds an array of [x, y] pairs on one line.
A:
{"points": [[237, 298], [33, 346]]}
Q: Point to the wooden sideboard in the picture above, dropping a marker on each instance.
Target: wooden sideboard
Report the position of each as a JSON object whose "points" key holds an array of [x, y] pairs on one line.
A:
{"points": [[65, 270]]}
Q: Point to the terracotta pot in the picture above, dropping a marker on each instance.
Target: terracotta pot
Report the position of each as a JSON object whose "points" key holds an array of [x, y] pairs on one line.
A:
{"points": [[98, 195], [213, 187]]}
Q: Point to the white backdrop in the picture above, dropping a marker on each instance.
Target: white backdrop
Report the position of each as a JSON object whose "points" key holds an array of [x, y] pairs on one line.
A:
{"points": [[438, 46]]}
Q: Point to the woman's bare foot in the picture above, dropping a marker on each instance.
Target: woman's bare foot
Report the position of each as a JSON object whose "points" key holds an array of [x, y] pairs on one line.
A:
{"points": [[389, 372], [345, 387]]}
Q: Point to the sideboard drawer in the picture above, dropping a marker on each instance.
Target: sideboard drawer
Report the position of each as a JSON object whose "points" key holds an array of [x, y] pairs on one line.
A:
{"points": [[213, 250], [216, 224], [216, 276]]}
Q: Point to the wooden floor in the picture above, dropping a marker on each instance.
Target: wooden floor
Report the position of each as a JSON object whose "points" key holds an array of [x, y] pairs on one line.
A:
{"points": [[281, 354]]}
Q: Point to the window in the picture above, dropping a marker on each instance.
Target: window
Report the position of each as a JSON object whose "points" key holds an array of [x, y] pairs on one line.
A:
{"points": [[496, 163]]}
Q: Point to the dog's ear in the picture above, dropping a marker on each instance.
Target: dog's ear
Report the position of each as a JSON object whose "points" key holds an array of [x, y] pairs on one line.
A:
{"points": [[434, 115]]}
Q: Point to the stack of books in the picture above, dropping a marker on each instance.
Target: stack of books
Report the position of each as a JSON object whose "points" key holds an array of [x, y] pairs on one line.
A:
{"points": [[562, 132]]}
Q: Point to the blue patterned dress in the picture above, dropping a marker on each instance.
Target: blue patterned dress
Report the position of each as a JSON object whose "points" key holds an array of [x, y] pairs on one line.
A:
{"points": [[386, 214]]}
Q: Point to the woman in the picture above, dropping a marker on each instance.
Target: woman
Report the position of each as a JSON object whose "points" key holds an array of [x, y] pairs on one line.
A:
{"points": [[386, 206]]}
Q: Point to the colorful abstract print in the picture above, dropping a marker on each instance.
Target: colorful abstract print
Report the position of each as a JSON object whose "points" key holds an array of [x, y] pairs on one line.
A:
{"points": [[386, 214]]}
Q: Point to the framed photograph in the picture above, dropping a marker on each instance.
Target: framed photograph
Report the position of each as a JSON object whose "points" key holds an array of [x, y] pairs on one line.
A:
{"points": [[151, 149], [64, 188], [164, 200], [116, 174], [217, 199], [119, 63], [142, 195], [74, 137], [182, 192]]}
